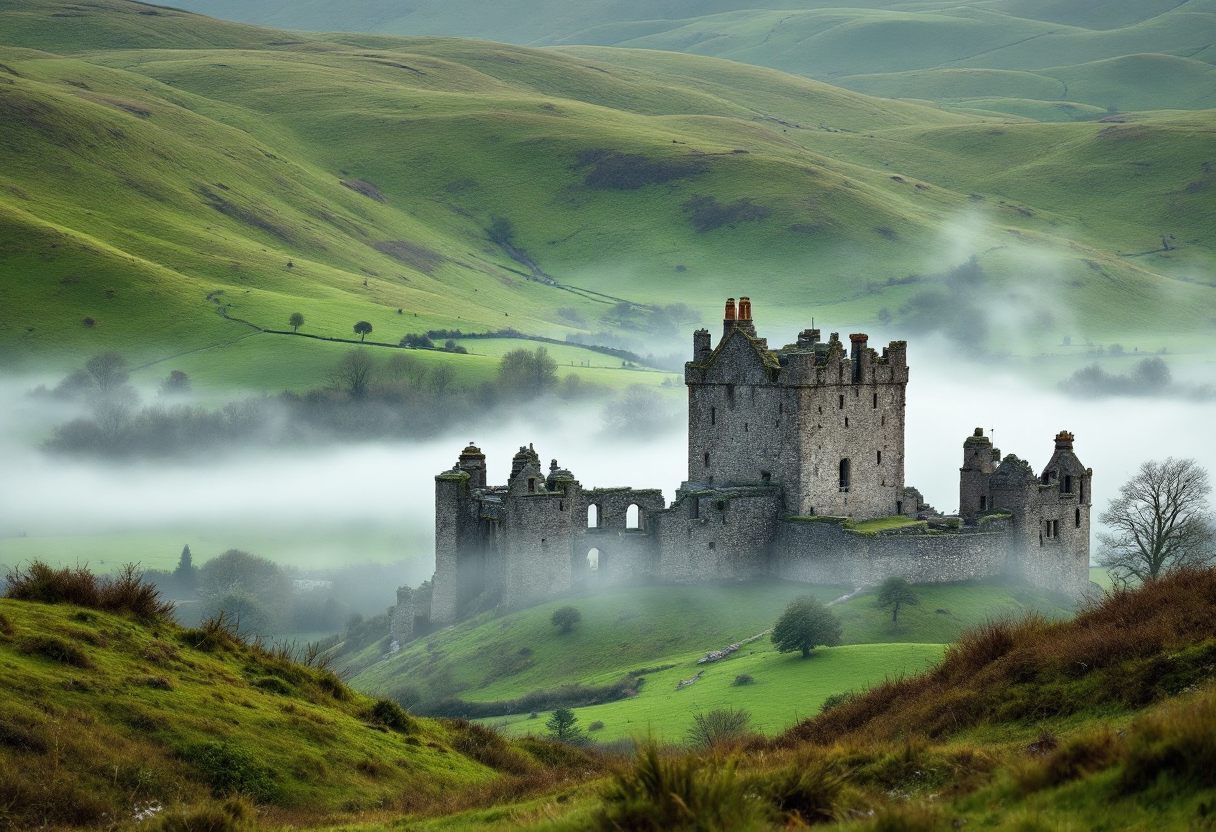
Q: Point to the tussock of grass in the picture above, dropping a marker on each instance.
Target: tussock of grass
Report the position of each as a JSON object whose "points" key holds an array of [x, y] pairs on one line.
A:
{"points": [[124, 593]]}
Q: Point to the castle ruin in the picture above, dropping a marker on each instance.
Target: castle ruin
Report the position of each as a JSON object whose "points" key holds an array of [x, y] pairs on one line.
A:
{"points": [[790, 451]]}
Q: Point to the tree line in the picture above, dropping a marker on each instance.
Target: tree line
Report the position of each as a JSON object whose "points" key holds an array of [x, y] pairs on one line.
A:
{"points": [[363, 397]]}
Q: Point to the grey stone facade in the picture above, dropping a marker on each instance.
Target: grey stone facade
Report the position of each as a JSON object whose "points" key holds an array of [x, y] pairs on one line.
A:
{"points": [[788, 449]]}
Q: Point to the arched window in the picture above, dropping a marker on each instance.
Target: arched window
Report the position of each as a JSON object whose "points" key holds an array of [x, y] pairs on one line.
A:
{"points": [[593, 560], [593, 516], [632, 517], [845, 475]]}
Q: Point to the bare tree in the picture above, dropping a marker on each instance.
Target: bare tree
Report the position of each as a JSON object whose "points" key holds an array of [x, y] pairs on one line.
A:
{"points": [[442, 376], [353, 373], [1160, 522]]}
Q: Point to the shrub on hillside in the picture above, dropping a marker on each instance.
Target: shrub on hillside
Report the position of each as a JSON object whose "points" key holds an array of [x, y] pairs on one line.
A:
{"points": [[388, 713], [125, 593], [678, 793], [564, 618], [234, 816], [719, 726], [800, 795], [488, 747], [229, 768]]}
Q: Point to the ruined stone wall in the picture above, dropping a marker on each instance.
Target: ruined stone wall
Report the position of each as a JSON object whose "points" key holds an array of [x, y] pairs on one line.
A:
{"points": [[823, 552], [715, 535], [455, 521], [623, 555], [536, 537]]}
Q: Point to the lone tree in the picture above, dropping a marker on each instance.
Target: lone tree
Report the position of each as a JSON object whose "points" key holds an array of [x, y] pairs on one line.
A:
{"points": [[564, 618], [297, 320], [1160, 523], [353, 373], [563, 726], [363, 329], [805, 625], [527, 373], [896, 592], [186, 572]]}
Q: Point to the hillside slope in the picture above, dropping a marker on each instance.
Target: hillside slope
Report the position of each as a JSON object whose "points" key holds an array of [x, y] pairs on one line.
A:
{"points": [[102, 717], [920, 47], [163, 168]]}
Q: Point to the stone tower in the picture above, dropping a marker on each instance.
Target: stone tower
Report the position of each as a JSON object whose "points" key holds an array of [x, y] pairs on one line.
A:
{"points": [[824, 423]]}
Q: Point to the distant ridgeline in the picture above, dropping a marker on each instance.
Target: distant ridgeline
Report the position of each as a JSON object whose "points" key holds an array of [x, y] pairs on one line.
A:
{"points": [[790, 452]]}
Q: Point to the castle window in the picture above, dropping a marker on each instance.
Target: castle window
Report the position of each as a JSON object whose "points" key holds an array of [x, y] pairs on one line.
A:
{"points": [[707, 459], [561, 505], [876, 401], [846, 421], [694, 509], [983, 502], [730, 395], [1078, 518], [880, 457], [711, 547], [899, 506], [745, 427], [780, 408], [632, 517], [842, 401], [593, 560], [531, 485], [713, 415], [884, 420], [1046, 478], [1051, 528], [845, 475], [1066, 486], [593, 516]]}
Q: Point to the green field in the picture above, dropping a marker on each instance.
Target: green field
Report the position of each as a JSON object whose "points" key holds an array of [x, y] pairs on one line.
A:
{"points": [[659, 633], [787, 688], [162, 168]]}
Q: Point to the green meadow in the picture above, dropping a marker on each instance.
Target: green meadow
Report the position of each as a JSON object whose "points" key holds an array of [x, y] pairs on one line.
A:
{"points": [[659, 632], [173, 186], [786, 689], [1050, 61]]}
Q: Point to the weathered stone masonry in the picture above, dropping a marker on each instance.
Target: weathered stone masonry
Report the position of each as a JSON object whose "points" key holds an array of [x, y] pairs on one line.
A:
{"points": [[787, 449]]}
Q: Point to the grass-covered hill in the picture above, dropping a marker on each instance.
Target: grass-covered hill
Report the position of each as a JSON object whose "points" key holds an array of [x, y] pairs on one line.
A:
{"points": [[108, 711], [175, 185], [621, 664], [1076, 58], [1107, 721]]}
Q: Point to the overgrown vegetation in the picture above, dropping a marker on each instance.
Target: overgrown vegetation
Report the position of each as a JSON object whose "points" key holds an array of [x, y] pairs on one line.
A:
{"points": [[125, 593]]}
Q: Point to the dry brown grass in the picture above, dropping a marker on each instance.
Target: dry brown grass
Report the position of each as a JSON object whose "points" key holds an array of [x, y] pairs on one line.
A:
{"points": [[126, 593], [1133, 648]]}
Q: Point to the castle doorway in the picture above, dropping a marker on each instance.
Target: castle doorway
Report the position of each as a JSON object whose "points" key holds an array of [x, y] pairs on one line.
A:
{"points": [[593, 560]]}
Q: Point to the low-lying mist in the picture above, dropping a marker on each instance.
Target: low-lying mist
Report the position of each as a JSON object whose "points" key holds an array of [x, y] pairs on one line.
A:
{"points": [[321, 507]]}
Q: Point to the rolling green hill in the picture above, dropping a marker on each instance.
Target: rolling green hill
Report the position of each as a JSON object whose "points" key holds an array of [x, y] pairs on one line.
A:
{"points": [[175, 186], [1024, 50], [508, 665]]}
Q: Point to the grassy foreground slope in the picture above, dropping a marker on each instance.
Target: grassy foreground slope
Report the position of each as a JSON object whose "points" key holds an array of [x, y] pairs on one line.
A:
{"points": [[102, 716], [173, 184], [1107, 721]]}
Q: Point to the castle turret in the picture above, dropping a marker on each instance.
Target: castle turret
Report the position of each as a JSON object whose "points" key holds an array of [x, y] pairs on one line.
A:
{"points": [[979, 463], [701, 346], [473, 462]]}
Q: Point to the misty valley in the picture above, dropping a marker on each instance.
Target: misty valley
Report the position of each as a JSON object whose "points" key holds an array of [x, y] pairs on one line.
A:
{"points": [[720, 415]]}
